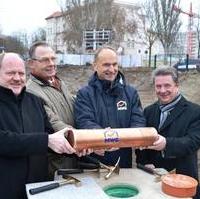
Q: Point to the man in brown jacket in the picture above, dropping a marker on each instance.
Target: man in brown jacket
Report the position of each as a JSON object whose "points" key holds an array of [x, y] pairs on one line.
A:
{"points": [[44, 83]]}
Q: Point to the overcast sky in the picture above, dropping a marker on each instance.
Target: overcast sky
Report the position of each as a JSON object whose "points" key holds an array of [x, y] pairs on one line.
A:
{"points": [[25, 14], [28, 15]]}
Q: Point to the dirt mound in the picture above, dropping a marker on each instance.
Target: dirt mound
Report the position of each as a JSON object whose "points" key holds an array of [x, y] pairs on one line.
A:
{"points": [[76, 77], [190, 85]]}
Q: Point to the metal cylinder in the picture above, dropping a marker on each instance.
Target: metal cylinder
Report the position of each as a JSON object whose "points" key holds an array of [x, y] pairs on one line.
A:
{"points": [[108, 138]]}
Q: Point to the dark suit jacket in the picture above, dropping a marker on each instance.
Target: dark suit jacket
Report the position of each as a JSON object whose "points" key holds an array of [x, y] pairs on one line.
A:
{"points": [[182, 132]]}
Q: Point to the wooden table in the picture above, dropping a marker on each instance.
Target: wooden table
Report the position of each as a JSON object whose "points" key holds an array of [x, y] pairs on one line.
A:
{"points": [[145, 182]]}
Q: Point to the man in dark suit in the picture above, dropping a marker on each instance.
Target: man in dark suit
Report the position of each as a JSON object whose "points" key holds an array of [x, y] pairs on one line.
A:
{"points": [[178, 123]]}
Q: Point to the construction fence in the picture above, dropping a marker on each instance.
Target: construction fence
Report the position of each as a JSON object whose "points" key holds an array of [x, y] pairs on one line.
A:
{"points": [[125, 61], [87, 59]]}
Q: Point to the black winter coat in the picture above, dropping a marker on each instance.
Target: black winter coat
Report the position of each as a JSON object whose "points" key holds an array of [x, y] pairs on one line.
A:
{"points": [[100, 105], [182, 132], [23, 142]]}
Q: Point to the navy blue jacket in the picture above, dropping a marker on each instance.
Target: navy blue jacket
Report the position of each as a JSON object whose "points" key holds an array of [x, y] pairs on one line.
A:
{"points": [[100, 105], [23, 142]]}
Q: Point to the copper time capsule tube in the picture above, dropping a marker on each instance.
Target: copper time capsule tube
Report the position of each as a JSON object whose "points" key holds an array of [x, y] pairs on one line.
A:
{"points": [[108, 138]]}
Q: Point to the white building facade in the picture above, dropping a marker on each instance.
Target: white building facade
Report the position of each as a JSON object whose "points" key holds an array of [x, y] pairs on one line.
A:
{"points": [[54, 32], [131, 44]]}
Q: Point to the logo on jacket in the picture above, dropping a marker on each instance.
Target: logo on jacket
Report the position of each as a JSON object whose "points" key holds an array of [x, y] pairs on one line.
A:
{"points": [[111, 136], [121, 105]]}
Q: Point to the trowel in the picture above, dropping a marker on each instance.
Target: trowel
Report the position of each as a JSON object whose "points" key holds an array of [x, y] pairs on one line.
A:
{"points": [[158, 172]]}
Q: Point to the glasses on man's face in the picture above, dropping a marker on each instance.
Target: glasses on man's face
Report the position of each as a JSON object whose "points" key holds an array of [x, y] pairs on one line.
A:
{"points": [[45, 59]]}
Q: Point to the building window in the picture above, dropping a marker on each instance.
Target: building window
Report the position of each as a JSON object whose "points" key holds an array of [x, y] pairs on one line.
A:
{"points": [[93, 39]]}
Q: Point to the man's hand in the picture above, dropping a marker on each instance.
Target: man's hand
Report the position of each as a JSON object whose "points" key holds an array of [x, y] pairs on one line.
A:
{"points": [[112, 149], [159, 144], [84, 152], [150, 166], [58, 143], [100, 152]]}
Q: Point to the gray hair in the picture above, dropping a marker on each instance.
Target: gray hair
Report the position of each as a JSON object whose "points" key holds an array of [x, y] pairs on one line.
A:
{"points": [[33, 47], [101, 49], [163, 71]]}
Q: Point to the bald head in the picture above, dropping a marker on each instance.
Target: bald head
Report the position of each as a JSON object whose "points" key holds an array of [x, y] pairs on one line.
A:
{"points": [[106, 63], [12, 58], [12, 72], [100, 52]]}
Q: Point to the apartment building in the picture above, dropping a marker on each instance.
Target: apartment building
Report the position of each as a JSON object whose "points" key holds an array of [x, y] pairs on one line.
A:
{"points": [[92, 39], [181, 44]]}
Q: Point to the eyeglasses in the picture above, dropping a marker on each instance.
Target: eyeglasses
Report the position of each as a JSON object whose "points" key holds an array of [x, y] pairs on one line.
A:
{"points": [[45, 59]]}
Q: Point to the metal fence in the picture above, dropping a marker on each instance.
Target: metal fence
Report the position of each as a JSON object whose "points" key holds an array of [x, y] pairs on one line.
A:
{"points": [[133, 60], [87, 59], [168, 59]]}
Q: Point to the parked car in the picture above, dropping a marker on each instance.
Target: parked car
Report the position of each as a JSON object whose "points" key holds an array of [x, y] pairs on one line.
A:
{"points": [[192, 64]]}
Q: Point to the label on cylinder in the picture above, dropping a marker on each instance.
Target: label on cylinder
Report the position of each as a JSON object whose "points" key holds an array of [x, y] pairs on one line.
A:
{"points": [[111, 136]]}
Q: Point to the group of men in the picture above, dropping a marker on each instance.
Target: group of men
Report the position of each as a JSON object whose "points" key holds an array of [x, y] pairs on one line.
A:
{"points": [[35, 118]]}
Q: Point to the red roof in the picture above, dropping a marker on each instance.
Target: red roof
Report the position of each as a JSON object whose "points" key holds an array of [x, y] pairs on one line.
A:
{"points": [[54, 15]]}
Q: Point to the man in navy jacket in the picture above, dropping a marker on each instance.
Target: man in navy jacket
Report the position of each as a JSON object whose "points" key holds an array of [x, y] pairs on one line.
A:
{"points": [[178, 123], [24, 128], [107, 101]]}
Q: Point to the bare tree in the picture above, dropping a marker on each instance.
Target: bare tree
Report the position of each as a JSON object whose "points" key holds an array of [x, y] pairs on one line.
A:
{"points": [[73, 23], [123, 22], [21, 36], [94, 14], [149, 34], [39, 35], [167, 22], [13, 44]]}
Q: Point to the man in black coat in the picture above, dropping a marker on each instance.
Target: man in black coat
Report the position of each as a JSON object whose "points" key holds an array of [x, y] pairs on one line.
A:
{"points": [[178, 123], [24, 129]]}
